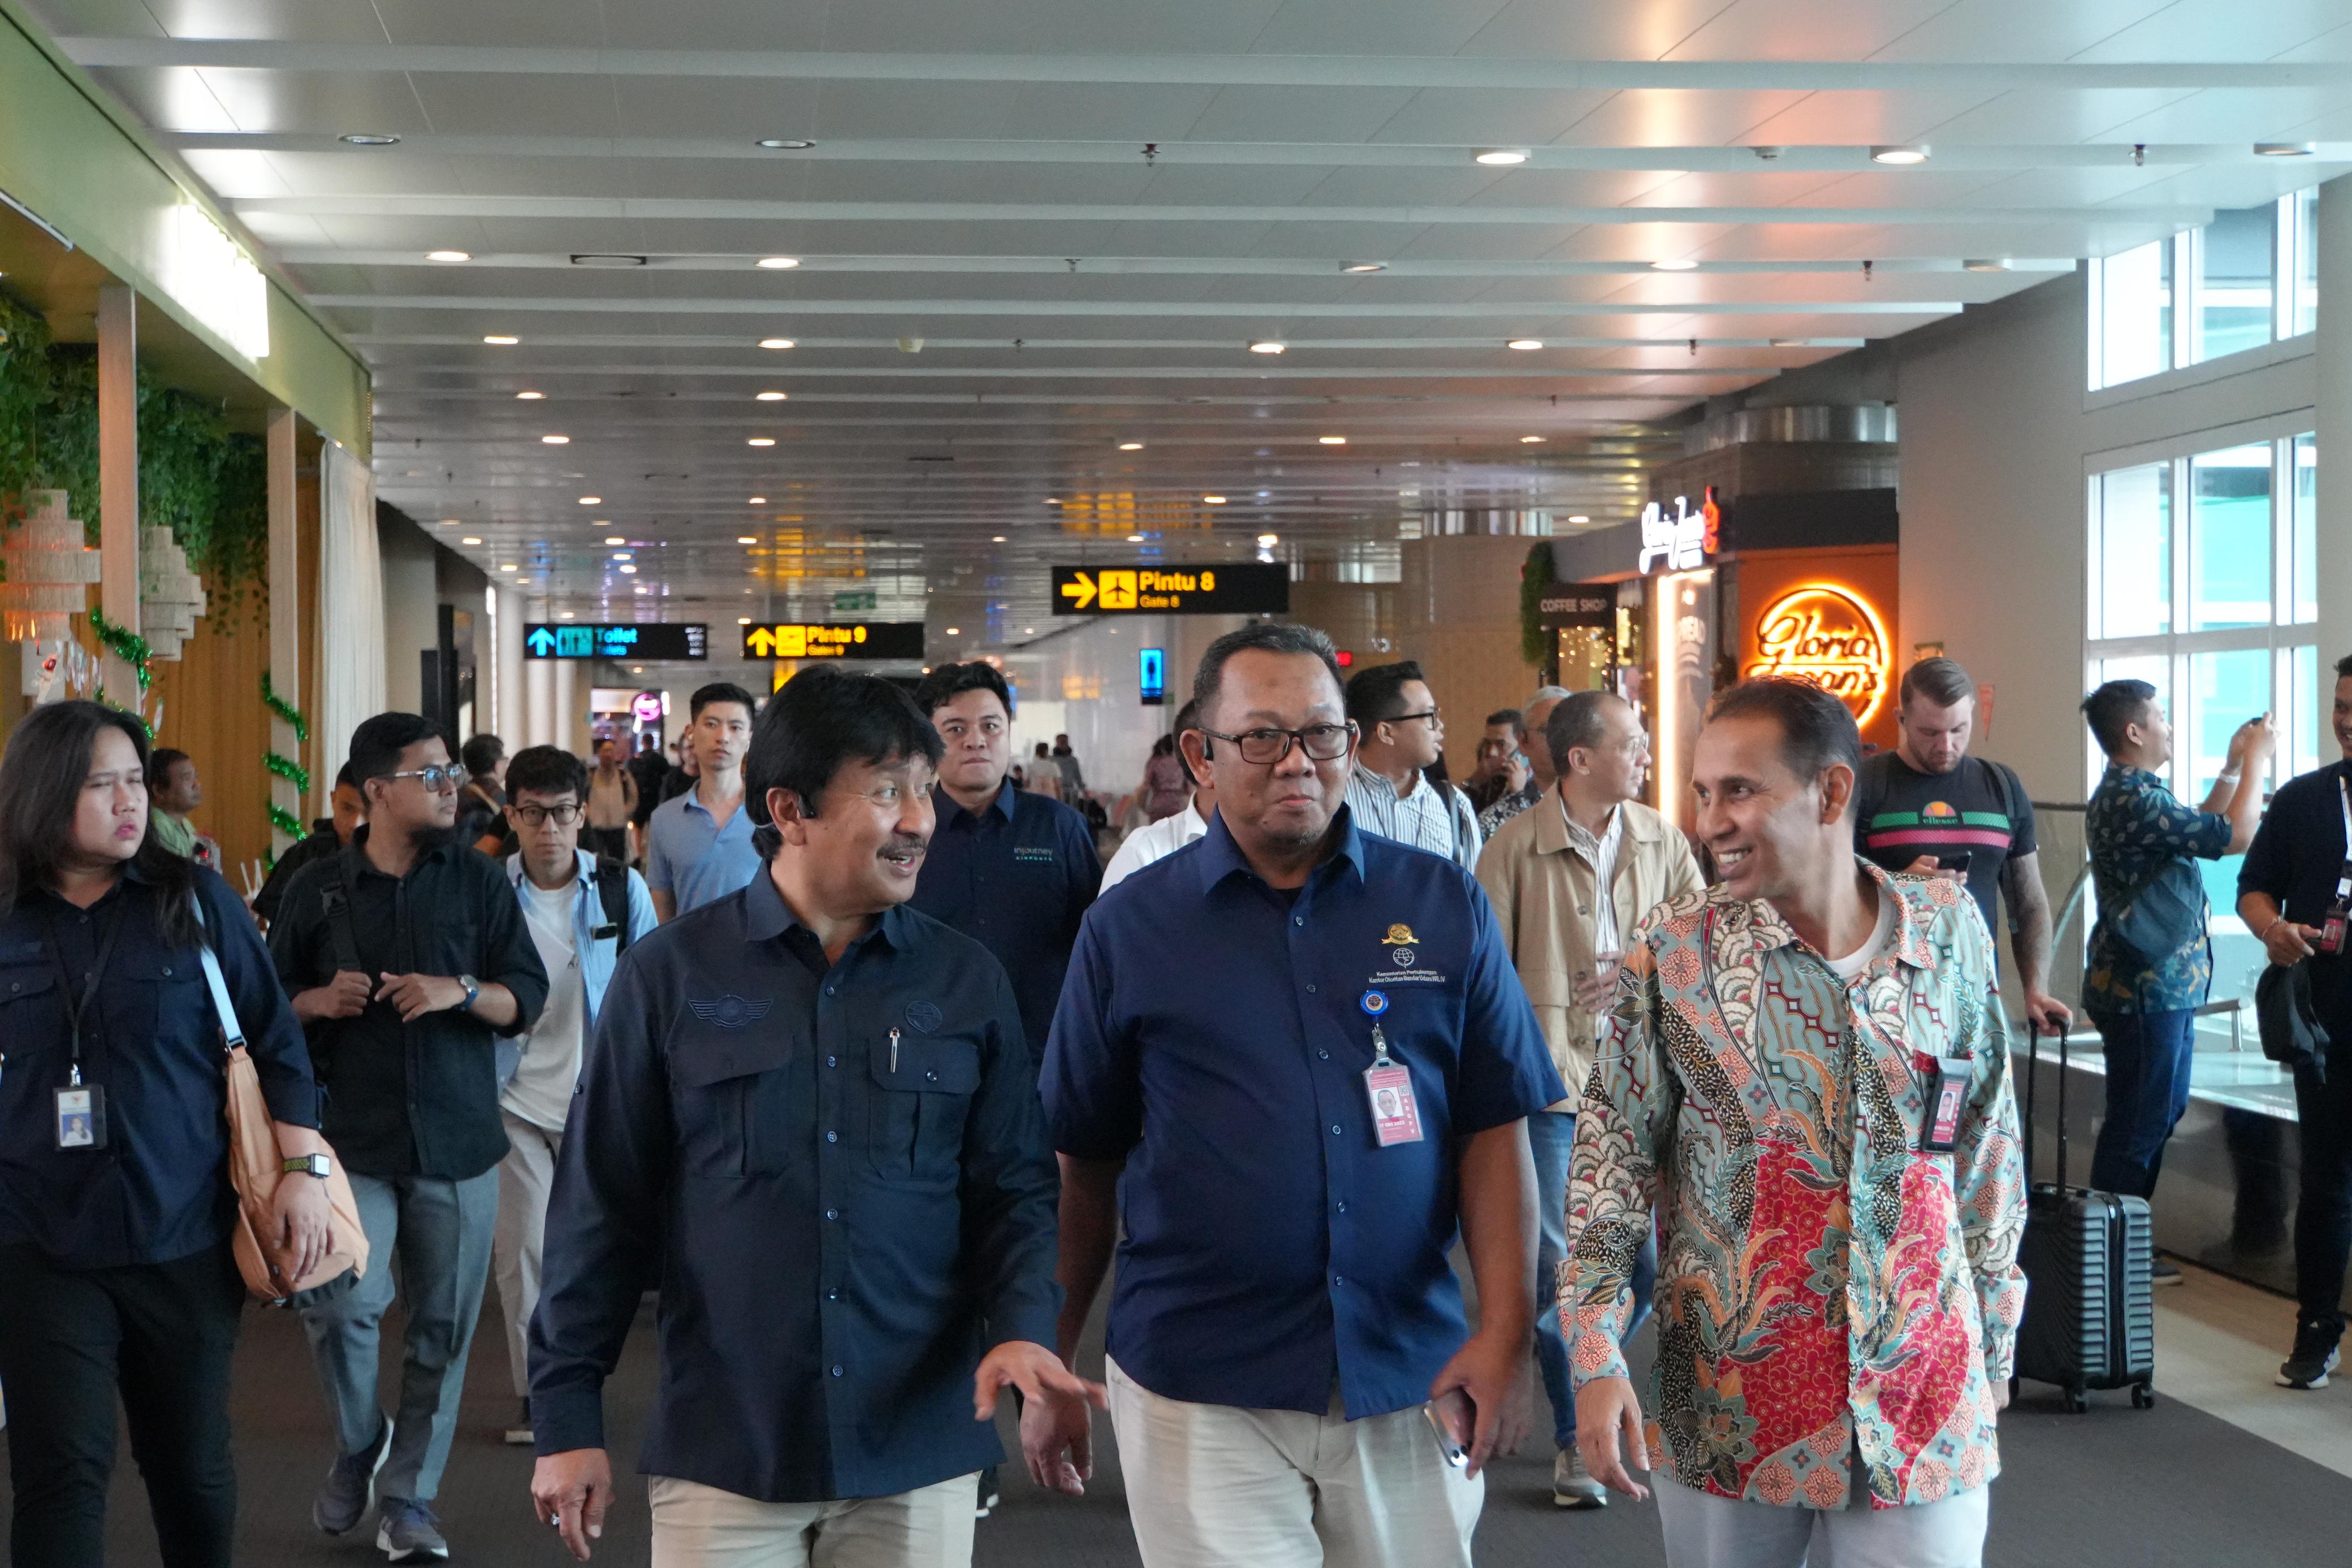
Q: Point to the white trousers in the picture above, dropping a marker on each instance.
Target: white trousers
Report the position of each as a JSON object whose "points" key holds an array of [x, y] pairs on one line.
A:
{"points": [[1704, 1531], [519, 1236], [698, 1526], [1213, 1486]]}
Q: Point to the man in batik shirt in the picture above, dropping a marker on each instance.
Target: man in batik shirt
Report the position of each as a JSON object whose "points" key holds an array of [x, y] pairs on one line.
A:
{"points": [[1808, 1069]]}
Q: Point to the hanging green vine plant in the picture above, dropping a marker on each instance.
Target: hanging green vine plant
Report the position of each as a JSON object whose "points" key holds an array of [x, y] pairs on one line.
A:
{"points": [[1535, 576], [26, 389]]}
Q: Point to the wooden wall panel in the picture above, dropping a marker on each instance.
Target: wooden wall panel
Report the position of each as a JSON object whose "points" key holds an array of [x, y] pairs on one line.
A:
{"points": [[212, 711]]}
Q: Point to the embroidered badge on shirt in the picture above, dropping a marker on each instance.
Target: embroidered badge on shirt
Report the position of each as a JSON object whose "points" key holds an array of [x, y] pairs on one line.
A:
{"points": [[925, 1015], [1044, 852], [730, 1011]]}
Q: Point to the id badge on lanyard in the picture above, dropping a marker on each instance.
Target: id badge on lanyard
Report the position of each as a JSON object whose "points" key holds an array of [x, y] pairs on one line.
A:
{"points": [[81, 1108], [1388, 1084], [2332, 926]]}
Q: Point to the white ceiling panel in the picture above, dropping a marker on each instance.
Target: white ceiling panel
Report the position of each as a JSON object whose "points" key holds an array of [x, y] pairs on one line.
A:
{"points": [[1852, 118], [2220, 30], [1821, 30], [1591, 29], [1676, 117], [2036, 117], [1468, 117], [310, 21], [1374, 26], [2024, 32]]}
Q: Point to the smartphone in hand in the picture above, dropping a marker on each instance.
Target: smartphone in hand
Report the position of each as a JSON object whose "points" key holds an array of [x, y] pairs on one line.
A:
{"points": [[1453, 1419]]}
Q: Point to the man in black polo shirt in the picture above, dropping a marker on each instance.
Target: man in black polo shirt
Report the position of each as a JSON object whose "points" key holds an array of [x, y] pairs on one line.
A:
{"points": [[2292, 891], [810, 1115], [407, 958], [1929, 805]]}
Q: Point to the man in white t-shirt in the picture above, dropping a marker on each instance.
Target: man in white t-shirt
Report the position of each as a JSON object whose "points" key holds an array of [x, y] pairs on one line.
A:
{"points": [[581, 912]]}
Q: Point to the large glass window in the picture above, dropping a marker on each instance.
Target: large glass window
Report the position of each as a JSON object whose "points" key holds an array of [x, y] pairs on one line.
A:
{"points": [[2225, 690], [2131, 552], [2229, 539], [2302, 592], [2246, 279]]}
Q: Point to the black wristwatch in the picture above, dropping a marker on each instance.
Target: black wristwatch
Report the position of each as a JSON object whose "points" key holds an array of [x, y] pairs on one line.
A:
{"points": [[319, 1165]]}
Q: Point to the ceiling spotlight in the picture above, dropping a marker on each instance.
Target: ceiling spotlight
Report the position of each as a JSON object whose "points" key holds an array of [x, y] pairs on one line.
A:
{"points": [[592, 500], [763, 441], [1332, 440], [784, 144], [1530, 440], [448, 255], [747, 538], [1524, 345], [469, 539], [1675, 263], [2284, 149], [1028, 630], [1130, 446], [757, 500], [529, 396], [778, 263], [1267, 541], [1212, 500], [624, 555], [1267, 346], [566, 614], [1500, 157], [1363, 267], [501, 339], [955, 631], [630, 570], [1905, 154], [1986, 264], [555, 440], [996, 538], [369, 138], [1135, 538], [768, 397], [775, 342], [449, 522], [616, 540], [506, 566], [1766, 154], [742, 621], [1578, 517], [1053, 500]]}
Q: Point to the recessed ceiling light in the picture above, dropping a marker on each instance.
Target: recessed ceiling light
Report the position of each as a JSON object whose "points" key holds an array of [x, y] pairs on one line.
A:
{"points": [[1212, 500], [629, 569], [1525, 344], [768, 397], [1902, 154], [742, 621], [1578, 517], [555, 440], [747, 538], [469, 539], [775, 342], [1530, 440], [763, 441], [1130, 446], [955, 631], [1053, 500], [1135, 538], [1675, 264], [1028, 630], [784, 144], [1268, 541], [1986, 264], [1363, 267], [624, 555], [1267, 346], [617, 540], [1332, 440], [592, 500], [566, 614], [2284, 149], [996, 538], [449, 522], [1500, 157], [756, 500], [501, 339], [778, 263], [529, 396], [508, 566], [369, 138], [448, 255]]}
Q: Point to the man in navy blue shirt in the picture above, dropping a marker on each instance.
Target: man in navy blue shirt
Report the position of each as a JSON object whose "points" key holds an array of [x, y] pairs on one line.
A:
{"points": [[1013, 870], [810, 1115], [1295, 1059]]}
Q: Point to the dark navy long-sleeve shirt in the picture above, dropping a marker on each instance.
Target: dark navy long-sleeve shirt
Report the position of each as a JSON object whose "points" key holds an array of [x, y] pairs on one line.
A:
{"points": [[1214, 1034], [841, 1222], [1017, 878], [158, 1189]]}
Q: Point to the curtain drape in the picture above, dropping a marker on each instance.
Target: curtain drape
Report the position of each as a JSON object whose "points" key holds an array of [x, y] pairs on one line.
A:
{"points": [[351, 609]]}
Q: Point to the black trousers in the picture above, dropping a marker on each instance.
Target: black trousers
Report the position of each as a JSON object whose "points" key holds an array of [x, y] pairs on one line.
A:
{"points": [[160, 1336], [611, 842], [2323, 1213]]}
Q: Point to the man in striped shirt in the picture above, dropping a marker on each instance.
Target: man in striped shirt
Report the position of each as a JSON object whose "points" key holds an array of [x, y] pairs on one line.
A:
{"points": [[1400, 736]]}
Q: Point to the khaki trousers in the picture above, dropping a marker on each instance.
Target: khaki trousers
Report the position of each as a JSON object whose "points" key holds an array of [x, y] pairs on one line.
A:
{"points": [[1213, 1486], [518, 1238], [698, 1526]]}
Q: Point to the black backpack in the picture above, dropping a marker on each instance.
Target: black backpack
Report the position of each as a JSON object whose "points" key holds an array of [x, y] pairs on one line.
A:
{"points": [[612, 879]]}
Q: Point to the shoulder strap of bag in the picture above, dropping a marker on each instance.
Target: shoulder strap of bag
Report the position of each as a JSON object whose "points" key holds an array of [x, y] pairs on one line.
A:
{"points": [[612, 890], [231, 1032], [335, 898]]}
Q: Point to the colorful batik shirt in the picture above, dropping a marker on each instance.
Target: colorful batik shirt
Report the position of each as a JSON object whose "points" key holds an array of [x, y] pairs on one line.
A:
{"points": [[2135, 825], [1823, 1279]]}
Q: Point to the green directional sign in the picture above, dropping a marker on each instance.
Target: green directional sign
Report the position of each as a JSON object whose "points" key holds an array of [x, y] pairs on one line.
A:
{"points": [[853, 603]]}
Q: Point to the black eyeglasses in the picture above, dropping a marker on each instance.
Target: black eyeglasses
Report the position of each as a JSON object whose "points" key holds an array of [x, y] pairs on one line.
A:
{"points": [[563, 816], [1266, 747], [436, 778], [1431, 715]]}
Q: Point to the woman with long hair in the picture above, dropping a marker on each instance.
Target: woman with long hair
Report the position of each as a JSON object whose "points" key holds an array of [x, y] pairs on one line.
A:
{"points": [[116, 1277]]}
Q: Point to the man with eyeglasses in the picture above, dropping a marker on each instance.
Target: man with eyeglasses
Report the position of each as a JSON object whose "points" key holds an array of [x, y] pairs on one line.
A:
{"points": [[407, 959], [1400, 736], [1292, 1061], [583, 911]]}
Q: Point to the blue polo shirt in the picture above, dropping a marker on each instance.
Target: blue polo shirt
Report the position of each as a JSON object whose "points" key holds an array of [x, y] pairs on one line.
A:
{"points": [[1213, 1034], [692, 858], [1017, 878]]}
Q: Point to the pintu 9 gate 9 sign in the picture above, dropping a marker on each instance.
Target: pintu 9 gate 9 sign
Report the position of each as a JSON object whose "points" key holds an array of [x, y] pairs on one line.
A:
{"points": [[1830, 636]]}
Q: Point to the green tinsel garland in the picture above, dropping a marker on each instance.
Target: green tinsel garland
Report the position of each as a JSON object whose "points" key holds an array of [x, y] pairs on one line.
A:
{"points": [[128, 646], [284, 822], [288, 769], [281, 820], [287, 711]]}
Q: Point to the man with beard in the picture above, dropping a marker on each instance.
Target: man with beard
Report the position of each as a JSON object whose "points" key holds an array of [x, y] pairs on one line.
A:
{"points": [[1808, 1066], [407, 958]]}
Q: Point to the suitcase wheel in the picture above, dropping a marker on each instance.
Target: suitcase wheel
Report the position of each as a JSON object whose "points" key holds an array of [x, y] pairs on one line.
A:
{"points": [[2143, 1395], [2077, 1401]]}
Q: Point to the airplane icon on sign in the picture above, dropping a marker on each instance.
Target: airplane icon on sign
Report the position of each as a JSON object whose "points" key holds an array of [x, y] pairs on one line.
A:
{"points": [[1115, 588]]}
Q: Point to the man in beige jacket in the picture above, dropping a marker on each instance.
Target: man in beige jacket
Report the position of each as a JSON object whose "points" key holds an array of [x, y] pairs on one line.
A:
{"points": [[1570, 878]]}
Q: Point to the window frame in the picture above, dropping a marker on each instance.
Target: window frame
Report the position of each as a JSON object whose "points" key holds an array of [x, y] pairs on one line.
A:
{"points": [[2293, 240]]}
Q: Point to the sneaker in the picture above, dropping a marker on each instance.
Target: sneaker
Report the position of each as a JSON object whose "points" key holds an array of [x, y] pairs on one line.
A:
{"points": [[350, 1488], [2315, 1354], [1572, 1487], [408, 1533], [519, 1434], [990, 1498], [2161, 1273]]}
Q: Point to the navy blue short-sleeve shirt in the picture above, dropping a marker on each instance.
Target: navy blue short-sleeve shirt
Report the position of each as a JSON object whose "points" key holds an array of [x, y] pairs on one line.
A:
{"points": [[1214, 1033]]}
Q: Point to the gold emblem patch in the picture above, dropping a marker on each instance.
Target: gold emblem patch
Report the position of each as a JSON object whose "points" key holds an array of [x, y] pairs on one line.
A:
{"points": [[1400, 934]]}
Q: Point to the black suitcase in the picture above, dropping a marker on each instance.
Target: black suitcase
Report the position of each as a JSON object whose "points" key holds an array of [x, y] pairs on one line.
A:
{"points": [[2090, 1302]]}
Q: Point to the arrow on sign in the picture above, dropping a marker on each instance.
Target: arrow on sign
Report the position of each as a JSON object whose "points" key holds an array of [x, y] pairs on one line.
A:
{"points": [[1083, 591], [761, 641], [542, 640]]}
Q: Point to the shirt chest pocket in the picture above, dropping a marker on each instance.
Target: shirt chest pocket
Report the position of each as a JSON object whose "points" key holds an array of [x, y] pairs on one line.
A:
{"points": [[734, 1100], [922, 1095], [32, 1029]]}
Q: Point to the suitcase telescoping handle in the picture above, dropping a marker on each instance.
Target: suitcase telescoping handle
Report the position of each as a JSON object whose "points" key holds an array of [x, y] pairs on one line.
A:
{"points": [[2032, 1089]]}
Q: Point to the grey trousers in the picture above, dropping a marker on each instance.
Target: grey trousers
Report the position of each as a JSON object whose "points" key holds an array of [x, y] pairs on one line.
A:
{"points": [[439, 1230], [1704, 1531]]}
